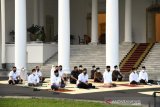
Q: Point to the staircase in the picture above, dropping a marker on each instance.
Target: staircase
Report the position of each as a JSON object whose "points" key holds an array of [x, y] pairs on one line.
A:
{"points": [[135, 57], [87, 55], [152, 62]]}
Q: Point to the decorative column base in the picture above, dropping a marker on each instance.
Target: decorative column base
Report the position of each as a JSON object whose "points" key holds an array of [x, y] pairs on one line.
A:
{"points": [[93, 43]]}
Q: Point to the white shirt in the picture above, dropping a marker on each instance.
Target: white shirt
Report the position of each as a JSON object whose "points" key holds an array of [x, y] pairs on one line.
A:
{"points": [[61, 73], [56, 80], [133, 77], [39, 73], [13, 75], [143, 75], [107, 76], [82, 78], [33, 78]]}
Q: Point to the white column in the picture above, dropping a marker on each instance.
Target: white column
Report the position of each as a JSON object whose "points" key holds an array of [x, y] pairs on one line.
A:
{"points": [[94, 30], [112, 33], [20, 33], [3, 31], [128, 21], [64, 34], [41, 12], [36, 12]]}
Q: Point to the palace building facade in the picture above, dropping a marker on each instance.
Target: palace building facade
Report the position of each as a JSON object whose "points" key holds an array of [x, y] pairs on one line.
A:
{"points": [[67, 22]]}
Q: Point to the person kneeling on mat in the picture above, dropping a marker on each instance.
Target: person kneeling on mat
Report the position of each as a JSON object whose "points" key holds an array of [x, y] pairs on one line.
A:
{"points": [[107, 77], [56, 81], [83, 80]]}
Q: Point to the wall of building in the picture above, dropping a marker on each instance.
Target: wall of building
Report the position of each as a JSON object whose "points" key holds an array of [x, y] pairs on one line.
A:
{"points": [[78, 11], [37, 53], [139, 19]]}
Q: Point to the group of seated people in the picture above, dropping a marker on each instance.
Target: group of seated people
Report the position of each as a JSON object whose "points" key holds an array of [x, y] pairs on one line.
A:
{"points": [[141, 78], [79, 76], [34, 79]]}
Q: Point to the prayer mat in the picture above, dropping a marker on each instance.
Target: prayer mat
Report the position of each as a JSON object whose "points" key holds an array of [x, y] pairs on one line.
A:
{"points": [[60, 90], [130, 85]]}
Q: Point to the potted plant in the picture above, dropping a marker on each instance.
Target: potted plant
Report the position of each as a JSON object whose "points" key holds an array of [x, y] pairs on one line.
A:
{"points": [[36, 33]]}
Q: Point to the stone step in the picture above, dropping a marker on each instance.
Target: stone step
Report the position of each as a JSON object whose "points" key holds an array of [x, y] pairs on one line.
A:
{"points": [[87, 55]]}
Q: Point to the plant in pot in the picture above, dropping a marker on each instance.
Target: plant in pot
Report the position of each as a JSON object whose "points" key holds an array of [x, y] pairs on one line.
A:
{"points": [[36, 33]]}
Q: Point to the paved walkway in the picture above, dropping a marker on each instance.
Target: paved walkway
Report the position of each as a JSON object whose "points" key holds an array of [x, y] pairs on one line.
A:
{"points": [[11, 90]]}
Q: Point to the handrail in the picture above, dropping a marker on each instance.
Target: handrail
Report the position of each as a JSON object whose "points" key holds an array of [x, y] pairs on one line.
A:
{"points": [[145, 53]]}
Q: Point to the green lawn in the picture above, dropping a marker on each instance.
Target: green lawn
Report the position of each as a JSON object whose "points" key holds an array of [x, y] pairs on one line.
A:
{"points": [[8, 102]]}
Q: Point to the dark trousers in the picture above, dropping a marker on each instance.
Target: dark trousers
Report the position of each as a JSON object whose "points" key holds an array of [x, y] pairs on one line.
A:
{"points": [[32, 84], [133, 82], [73, 81], [115, 79], [97, 80], [142, 81], [42, 80], [85, 86], [56, 87], [11, 82]]}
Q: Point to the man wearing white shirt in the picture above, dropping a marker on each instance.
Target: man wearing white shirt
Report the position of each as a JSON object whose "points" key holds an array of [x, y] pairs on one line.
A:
{"points": [[33, 79], [39, 73], [14, 77], [143, 76], [83, 80], [56, 81], [133, 77], [62, 75], [107, 77]]}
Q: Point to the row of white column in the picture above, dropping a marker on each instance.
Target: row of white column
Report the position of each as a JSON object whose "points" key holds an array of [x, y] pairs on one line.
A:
{"points": [[112, 31], [128, 21], [112, 28]]}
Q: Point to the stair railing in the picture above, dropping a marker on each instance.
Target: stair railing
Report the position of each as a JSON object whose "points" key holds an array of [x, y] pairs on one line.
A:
{"points": [[128, 55], [143, 56]]}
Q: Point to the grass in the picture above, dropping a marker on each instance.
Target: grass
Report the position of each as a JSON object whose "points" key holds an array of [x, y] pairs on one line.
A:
{"points": [[10, 102]]}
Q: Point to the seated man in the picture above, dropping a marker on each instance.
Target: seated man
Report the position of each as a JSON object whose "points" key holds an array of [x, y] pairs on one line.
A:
{"points": [[143, 76], [83, 80], [33, 79], [53, 69], [56, 81], [133, 77], [39, 73], [14, 77], [107, 77], [74, 75], [93, 71], [116, 75], [98, 77], [62, 75]]}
